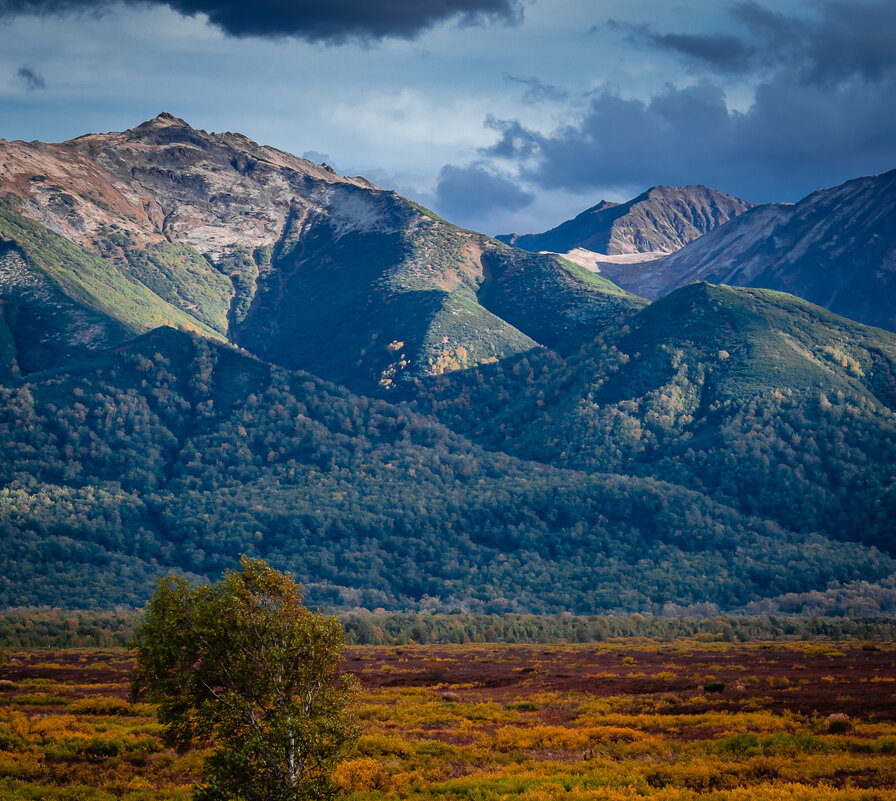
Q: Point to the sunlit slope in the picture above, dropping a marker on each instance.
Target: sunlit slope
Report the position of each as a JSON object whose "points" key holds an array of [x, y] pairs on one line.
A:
{"points": [[304, 267], [60, 299], [415, 296]]}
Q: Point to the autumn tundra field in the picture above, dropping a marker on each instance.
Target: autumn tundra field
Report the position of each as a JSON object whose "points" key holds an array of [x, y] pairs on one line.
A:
{"points": [[626, 718]]}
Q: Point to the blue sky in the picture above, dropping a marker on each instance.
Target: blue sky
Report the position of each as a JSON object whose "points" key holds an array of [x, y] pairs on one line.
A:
{"points": [[501, 115]]}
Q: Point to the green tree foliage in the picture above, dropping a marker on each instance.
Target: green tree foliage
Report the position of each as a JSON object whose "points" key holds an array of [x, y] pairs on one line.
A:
{"points": [[243, 663], [27, 628], [183, 278], [872, 619]]}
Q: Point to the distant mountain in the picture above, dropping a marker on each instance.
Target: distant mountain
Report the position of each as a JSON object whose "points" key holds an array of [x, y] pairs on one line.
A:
{"points": [[661, 220], [836, 248], [110, 235]]}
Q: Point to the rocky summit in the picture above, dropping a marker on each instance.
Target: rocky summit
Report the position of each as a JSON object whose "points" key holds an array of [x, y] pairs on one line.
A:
{"points": [[661, 220], [836, 248]]}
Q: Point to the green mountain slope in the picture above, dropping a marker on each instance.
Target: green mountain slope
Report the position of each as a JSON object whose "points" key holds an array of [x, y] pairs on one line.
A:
{"points": [[415, 297], [176, 453], [301, 266], [759, 400], [557, 302], [60, 299]]}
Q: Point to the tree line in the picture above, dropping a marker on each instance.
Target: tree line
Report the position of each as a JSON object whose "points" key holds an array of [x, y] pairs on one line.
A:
{"points": [[24, 629]]}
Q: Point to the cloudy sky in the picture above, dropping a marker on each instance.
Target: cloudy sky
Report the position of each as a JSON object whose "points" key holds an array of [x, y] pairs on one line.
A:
{"points": [[503, 115]]}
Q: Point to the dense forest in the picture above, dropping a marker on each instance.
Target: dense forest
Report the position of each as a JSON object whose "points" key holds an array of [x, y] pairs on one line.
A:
{"points": [[26, 629], [174, 452], [763, 402]]}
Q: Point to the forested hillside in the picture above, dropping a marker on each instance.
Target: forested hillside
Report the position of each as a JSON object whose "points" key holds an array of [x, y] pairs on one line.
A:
{"points": [[759, 400], [175, 452], [509, 431]]}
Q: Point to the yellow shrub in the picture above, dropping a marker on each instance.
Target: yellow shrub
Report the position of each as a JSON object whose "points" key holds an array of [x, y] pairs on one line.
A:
{"points": [[378, 744], [20, 766], [509, 738], [360, 774]]}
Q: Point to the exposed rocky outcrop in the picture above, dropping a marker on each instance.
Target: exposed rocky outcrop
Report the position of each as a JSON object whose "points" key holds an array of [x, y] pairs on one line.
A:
{"points": [[164, 180], [302, 266]]}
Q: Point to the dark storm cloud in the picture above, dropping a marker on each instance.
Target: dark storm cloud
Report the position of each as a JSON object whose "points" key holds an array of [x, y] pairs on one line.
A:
{"points": [[315, 20], [536, 91], [851, 40], [842, 41], [823, 112], [516, 142], [472, 192], [618, 139], [32, 80], [793, 140], [723, 52]]}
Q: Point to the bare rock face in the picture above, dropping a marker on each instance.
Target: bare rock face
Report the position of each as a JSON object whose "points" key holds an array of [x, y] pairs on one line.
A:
{"points": [[661, 220], [164, 180]]}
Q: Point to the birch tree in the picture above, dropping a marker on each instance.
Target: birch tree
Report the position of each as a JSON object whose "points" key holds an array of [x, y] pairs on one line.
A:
{"points": [[242, 664]]}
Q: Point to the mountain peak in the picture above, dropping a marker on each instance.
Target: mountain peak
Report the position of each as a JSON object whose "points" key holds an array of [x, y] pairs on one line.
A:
{"points": [[834, 248], [161, 122], [660, 220], [602, 206], [165, 119], [688, 190]]}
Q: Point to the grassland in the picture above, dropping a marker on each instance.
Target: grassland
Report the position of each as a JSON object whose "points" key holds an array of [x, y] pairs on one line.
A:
{"points": [[628, 718]]}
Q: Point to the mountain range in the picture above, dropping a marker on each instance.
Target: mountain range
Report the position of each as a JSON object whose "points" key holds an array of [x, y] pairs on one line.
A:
{"points": [[661, 220], [210, 347], [835, 247]]}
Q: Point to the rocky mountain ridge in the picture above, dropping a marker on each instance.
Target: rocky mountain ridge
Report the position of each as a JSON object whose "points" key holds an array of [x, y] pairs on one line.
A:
{"points": [[163, 180], [835, 248], [661, 220]]}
